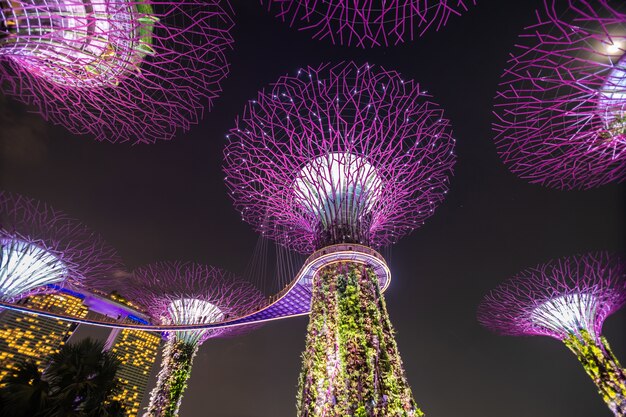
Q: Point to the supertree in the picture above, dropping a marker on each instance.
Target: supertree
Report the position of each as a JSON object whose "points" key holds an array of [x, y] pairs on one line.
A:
{"points": [[187, 293], [344, 155], [561, 109], [42, 249], [119, 70], [567, 299], [367, 23]]}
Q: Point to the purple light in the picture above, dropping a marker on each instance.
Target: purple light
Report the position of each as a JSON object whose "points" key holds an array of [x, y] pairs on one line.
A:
{"points": [[367, 23], [188, 293], [119, 70], [40, 246], [561, 108], [339, 154], [558, 299]]}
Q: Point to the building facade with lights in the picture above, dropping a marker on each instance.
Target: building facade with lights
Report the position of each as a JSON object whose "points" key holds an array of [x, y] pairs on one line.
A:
{"points": [[25, 336], [137, 352]]}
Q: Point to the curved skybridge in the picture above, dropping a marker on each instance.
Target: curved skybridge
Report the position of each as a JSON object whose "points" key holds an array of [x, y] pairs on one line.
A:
{"points": [[293, 301]]}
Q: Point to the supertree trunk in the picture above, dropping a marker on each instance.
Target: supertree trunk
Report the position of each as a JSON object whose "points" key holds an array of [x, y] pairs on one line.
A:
{"points": [[351, 364], [172, 380], [603, 367]]}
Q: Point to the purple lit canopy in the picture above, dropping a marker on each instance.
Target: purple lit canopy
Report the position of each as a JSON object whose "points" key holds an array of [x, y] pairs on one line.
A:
{"points": [[40, 246], [367, 23], [117, 70], [561, 109], [558, 298], [189, 293], [339, 153]]}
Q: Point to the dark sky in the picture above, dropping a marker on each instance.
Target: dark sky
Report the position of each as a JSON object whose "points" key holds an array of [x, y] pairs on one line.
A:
{"points": [[168, 201]]}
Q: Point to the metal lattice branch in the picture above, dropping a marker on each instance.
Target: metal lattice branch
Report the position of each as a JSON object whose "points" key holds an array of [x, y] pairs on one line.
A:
{"points": [[367, 23], [559, 299], [40, 246], [343, 153], [189, 293], [118, 70], [561, 109]]}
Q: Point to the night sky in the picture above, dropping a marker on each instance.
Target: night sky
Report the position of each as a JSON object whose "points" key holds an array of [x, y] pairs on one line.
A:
{"points": [[168, 202]]}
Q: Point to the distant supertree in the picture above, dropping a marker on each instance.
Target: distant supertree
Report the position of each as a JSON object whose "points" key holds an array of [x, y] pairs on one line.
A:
{"points": [[367, 23], [567, 299], [187, 293], [335, 155], [561, 110], [119, 70], [42, 248]]}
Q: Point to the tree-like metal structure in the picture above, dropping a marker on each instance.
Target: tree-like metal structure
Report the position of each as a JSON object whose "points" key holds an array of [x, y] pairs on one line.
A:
{"points": [[567, 299], [187, 293], [561, 109], [343, 155], [42, 249], [367, 23], [119, 70]]}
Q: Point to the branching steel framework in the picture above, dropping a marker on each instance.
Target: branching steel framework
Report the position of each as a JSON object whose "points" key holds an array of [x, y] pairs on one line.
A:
{"points": [[40, 246], [118, 70], [187, 293], [367, 23], [567, 299], [561, 108], [338, 155]]}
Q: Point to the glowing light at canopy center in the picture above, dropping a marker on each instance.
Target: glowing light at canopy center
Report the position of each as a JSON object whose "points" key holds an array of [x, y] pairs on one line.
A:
{"points": [[338, 187], [567, 314], [82, 44], [25, 266], [193, 311], [612, 103]]}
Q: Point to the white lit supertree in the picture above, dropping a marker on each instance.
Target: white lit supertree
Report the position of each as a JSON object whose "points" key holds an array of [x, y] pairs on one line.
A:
{"points": [[567, 299], [187, 294], [41, 248]]}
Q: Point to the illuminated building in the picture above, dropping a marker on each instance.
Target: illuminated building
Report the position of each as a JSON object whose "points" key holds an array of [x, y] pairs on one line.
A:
{"points": [[26, 336], [137, 351]]}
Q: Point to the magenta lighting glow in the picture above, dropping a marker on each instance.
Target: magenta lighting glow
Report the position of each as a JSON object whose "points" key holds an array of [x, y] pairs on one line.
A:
{"points": [[118, 70], [339, 153], [561, 107], [367, 23], [40, 246]]}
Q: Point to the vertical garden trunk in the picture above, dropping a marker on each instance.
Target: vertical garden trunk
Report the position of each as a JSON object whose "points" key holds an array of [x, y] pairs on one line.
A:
{"points": [[603, 367], [172, 379], [351, 365]]}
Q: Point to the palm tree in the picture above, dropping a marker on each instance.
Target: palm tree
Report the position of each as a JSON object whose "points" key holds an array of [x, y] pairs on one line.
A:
{"points": [[79, 381]]}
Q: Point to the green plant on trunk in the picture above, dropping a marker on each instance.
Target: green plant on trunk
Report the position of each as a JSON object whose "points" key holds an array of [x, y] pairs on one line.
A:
{"points": [[351, 363], [603, 367], [172, 380]]}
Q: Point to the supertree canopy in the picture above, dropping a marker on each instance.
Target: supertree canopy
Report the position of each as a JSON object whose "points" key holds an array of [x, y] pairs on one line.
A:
{"points": [[187, 293], [561, 109], [567, 299], [119, 70], [342, 155], [42, 248], [367, 23]]}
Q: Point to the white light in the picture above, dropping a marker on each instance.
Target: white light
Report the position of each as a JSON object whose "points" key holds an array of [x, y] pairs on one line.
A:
{"points": [[338, 186], [612, 103], [615, 47], [193, 311], [567, 314], [24, 266]]}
